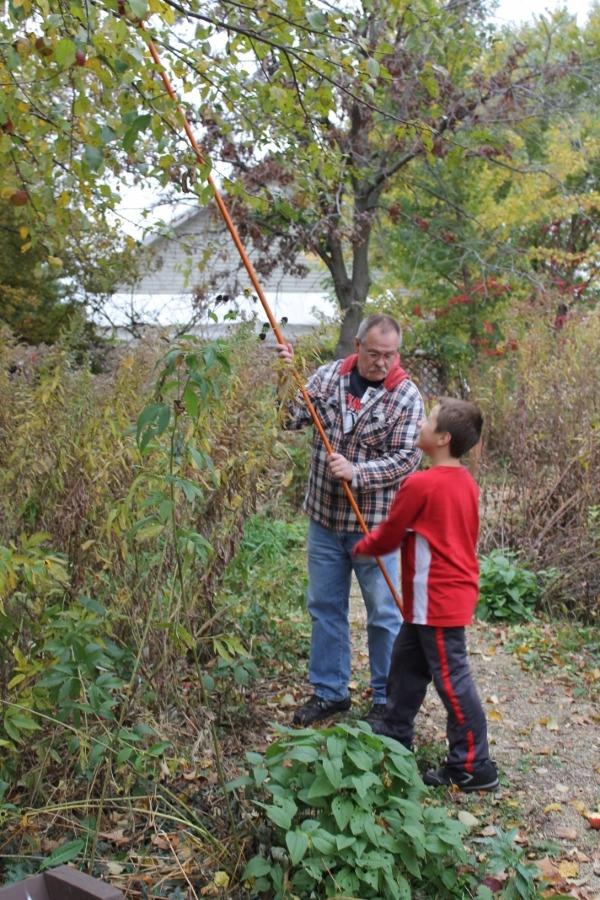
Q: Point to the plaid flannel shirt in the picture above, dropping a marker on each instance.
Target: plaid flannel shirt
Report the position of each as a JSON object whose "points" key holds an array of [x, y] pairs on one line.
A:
{"points": [[380, 446]]}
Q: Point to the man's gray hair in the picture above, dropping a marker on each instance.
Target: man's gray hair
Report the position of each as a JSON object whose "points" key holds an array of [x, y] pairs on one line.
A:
{"points": [[381, 321]]}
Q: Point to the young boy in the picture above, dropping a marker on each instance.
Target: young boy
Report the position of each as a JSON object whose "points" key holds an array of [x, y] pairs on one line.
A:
{"points": [[435, 519]]}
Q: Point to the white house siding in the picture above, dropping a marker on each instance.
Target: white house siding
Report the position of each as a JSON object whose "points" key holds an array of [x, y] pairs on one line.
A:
{"points": [[199, 252]]}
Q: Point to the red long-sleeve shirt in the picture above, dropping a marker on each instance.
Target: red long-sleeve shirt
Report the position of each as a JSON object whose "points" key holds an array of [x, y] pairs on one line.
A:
{"points": [[435, 520]]}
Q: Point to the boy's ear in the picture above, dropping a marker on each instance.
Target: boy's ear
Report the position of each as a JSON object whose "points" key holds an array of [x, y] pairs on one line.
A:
{"points": [[443, 438]]}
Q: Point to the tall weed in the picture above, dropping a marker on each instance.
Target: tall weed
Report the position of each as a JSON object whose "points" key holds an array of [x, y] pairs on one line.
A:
{"points": [[541, 474], [132, 530]]}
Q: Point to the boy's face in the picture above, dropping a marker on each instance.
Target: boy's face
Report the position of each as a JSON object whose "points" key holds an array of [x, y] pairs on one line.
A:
{"points": [[429, 437]]}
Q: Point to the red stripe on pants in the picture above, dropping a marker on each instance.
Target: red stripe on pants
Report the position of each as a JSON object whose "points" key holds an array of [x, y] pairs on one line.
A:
{"points": [[439, 640]]}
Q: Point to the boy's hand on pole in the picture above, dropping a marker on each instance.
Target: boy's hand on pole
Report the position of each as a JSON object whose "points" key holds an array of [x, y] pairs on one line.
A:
{"points": [[340, 467]]}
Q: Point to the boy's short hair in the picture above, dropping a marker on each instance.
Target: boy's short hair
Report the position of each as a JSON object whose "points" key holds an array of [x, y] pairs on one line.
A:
{"points": [[463, 422]]}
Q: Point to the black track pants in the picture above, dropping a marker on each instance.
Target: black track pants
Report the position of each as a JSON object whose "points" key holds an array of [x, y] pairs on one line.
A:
{"points": [[423, 653]]}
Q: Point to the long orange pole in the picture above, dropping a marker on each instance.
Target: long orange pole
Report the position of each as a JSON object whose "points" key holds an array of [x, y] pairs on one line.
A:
{"points": [[261, 296]]}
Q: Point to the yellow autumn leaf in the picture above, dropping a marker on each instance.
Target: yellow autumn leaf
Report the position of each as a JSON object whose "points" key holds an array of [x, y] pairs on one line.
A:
{"points": [[221, 879], [552, 807], [568, 869], [495, 715], [579, 805]]}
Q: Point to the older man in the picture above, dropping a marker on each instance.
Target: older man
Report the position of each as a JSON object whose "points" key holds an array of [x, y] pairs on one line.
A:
{"points": [[370, 411]]}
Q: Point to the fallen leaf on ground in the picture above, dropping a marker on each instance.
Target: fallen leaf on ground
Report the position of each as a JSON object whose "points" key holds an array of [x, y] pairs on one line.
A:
{"points": [[579, 856], [579, 805], [550, 723], [552, 807], [165, 843], [114, 868], [468, 818], [115, 837], [547, 869], [568, 834], [495, 882], [287, 700], [568, 869], [221, 879]]}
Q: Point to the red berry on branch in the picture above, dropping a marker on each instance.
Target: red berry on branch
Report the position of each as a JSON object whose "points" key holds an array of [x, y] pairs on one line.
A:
{"points": [[19, 197]]}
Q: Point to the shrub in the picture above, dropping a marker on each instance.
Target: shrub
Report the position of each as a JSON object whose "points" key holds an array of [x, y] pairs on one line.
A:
{"points": [[508, 591], [346, 813]]}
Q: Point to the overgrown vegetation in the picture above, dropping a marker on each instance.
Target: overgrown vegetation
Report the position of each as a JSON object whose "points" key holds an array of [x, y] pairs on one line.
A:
{"points": [[541, 472], [115, 542], [143, 600]]}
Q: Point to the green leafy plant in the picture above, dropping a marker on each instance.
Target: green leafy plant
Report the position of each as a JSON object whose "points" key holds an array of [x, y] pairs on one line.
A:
{"points": [[507, 861], [344, 811], [508, 592], [268, 578]]}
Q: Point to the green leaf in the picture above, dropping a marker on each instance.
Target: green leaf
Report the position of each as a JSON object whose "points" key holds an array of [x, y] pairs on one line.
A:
{"points": [[373, 67], [344, 840], [257, 867], [63, 854], [282, 815], [131, 135], [152, 422], [191, 402], [149, 531], [333, 772], [317, 20], [297, 844], [93, 157], [24, 723], [342, 810], [323, 842], [362, 783], [321, 787], [336, 745], [303, 754], [361, 759], [139, 8], [64, 52], [158, 749]]}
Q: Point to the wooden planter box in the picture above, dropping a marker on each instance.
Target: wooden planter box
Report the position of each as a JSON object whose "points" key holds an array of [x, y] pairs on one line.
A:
{"points": [[62, 883]]}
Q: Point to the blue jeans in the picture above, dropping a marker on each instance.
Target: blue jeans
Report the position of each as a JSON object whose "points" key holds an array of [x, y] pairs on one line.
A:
{"points": [[330, 568]]}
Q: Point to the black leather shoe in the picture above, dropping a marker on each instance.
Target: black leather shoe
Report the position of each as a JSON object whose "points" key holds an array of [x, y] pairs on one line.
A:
{"points": [[375, 714], [317, 708]]}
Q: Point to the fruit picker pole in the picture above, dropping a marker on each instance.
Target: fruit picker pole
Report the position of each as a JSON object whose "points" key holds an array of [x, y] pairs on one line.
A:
{"points": [[261, 296]]}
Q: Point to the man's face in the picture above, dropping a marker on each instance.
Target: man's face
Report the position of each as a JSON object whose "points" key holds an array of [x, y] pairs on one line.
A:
{"points": [[377, 353]]}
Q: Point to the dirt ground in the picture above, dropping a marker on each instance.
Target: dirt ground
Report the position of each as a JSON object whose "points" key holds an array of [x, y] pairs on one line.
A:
{"points": [[545, 740]]}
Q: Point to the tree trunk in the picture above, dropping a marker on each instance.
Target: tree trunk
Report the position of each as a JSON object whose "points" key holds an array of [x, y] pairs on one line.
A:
{"points": [[358, 289], [352, 319]]}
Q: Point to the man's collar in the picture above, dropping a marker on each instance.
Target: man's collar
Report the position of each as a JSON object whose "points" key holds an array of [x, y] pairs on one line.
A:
{"points": [[394, 377]]}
